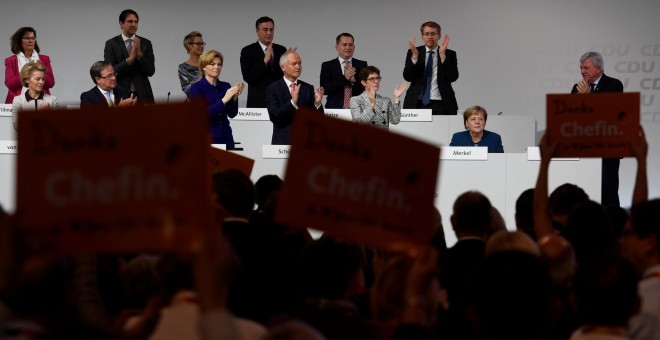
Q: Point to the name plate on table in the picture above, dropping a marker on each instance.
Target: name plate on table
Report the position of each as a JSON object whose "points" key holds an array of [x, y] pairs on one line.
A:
{"points": [[220, 146], [464, 153], [5, 110], [534, 154], [8, 146], [344, 114], [275, 151], [254, 113], [416, 115]]}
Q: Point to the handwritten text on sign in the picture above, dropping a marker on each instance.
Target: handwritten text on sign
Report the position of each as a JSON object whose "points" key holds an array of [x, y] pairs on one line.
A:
{"points": [[593, 125], [90, 182], [358, 183]]}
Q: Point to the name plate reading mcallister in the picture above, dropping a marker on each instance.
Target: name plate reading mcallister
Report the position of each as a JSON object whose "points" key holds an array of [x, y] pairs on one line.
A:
{"points": [[275, 151], [8, 146], [5, 110], [248, 113], [344, 114], [464, 153], [416, 115]]}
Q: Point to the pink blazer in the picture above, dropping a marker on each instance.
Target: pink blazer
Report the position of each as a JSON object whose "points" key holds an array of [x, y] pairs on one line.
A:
{"points": [[13, 77]]}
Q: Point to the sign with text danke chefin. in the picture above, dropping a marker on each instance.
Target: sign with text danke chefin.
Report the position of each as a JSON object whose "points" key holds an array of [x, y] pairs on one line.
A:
{"points": [[114, 180], [593, 125], [358, 183]]}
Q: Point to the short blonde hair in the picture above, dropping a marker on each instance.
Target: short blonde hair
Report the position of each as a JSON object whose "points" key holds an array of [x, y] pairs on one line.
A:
{"points": [[189, 39], [207, 59], [28, 69], [473, 111]]}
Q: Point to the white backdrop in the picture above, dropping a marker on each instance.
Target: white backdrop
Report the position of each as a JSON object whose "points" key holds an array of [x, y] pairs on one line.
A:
{"points": [[511, 53]]}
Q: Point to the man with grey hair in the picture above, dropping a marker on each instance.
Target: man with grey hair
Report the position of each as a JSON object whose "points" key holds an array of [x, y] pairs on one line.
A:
{"points": [[106, 93], [595, 81], [286, 95]]}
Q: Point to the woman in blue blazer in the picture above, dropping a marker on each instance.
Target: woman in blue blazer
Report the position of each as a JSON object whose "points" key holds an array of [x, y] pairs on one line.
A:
{"points": [[221, 98], [475, 134]]}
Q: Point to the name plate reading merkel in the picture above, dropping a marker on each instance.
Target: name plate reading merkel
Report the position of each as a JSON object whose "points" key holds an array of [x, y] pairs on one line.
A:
{"points": [[464, 153], [5, 110], [275, 151], [416, 115], [219, 146], [344, 114], [8, 146], [254, 113]]}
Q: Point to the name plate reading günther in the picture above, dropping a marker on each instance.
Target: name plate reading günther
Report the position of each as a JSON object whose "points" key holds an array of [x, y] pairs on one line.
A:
{"points": [[248, 113], [464, 153], [275, 151], [416, 115], [593, 125], [344, 114]]}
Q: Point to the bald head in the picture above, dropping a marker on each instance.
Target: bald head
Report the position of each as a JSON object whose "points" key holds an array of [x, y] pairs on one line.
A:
{"points": [[559, 256]]}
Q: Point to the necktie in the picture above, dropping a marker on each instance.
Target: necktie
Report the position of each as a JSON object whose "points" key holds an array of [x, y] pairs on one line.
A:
{"points": [[347, 88], [592, 87], [109, 98], [426, 99], [293, 87], [129, 45]]}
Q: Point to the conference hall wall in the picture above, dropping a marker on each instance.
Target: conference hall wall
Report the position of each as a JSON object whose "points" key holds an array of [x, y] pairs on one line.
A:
{"points": [[511, 53]]}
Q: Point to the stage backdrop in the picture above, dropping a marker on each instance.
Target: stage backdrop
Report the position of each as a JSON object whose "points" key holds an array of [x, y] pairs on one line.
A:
{"points": [[510, 52]]}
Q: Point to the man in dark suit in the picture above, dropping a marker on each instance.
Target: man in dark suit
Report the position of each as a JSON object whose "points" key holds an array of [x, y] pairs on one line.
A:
{"points": [[259, 62], [338, 76], [132, 57], [471, 220], [105, 93], [430, 83], [594, 80], [286, 95]]}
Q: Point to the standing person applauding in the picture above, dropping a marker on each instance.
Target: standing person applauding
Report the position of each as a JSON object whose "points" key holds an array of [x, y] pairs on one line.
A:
{"points": [[221, 98], [25, 48], [189, 70]]}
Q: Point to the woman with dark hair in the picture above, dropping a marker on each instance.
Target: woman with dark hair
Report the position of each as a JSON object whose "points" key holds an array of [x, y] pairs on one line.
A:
{"points": [[372, 108], [189, 70], [221, 98], [25, 48]]}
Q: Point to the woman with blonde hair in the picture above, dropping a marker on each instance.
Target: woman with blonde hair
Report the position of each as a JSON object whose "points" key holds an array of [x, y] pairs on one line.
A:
{"points": [[189, 70], [221, 98], [33, 76]]}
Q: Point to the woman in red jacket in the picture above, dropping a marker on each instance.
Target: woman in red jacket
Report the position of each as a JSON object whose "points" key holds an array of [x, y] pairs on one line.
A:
{"points": [[25, 48]]}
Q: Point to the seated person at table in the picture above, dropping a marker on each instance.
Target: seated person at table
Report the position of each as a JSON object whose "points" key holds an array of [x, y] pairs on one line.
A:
{"points": [[475, 133]]}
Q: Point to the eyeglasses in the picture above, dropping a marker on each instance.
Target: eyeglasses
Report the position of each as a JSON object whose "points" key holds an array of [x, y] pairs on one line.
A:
{"points": [[110, 76], [29, 38], [375, 79], [198, 44]]}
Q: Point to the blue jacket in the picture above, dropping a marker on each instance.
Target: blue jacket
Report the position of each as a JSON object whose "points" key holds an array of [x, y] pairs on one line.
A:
{"points": [[490, 139]]}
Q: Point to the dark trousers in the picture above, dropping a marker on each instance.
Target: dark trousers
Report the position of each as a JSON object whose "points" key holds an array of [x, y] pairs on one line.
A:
{"points": [[436, 106], [610, 182]]}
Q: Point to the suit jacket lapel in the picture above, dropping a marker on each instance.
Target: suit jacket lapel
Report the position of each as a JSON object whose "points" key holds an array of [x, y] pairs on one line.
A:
{"points": [[122, 46]]}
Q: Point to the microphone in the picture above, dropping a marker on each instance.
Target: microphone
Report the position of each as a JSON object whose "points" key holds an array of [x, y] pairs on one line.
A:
{"points": [[168, 97], [499, 113]]}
